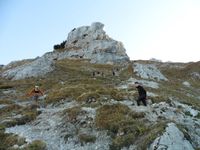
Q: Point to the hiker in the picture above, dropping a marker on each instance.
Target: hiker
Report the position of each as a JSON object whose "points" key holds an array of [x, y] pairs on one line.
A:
{"points": [[142, 94], [36, 93], [113, 72]]}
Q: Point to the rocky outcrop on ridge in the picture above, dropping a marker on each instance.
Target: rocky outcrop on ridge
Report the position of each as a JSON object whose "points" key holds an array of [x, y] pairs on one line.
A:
{"points": [[86, 42]]}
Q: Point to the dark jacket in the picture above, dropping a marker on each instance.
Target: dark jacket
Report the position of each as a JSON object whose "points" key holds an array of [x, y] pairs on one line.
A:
{"points": [[141, 91]]}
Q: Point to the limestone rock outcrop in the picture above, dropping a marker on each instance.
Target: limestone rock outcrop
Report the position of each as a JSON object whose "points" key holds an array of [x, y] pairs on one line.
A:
{"points": [[148, 71], [91, 42]]}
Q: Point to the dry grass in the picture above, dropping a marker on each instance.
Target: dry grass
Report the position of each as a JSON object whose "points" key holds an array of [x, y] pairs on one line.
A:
{"points": [[133, 127], [87, 96], [27, 114], [117, 113], [117, 119], [5, 86], [8, 140], [36, 145], [6, 101], [85, 138], [72, 113], [84, 91], [11, 108]]}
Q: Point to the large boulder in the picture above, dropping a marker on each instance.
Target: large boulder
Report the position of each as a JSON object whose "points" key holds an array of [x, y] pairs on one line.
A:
{"points": [[172, 139]]}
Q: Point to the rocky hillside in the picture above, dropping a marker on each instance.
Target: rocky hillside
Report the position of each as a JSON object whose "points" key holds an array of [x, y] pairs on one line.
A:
{"points": [[87, 42], [89, 102]]}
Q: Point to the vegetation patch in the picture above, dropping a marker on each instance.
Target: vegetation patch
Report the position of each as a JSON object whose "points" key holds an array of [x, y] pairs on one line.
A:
{"points": [[72, 113], [24, 115], [2, 128], [6, 101], [5, 86], [85, 138], [36, 145], [123, 125], [67, 92], [10, 108], [9, 140], [187, 113], [158, 99], [150, 135], [118, 94], [109, 117], [86, 97], [27, 117], [198, 115]]}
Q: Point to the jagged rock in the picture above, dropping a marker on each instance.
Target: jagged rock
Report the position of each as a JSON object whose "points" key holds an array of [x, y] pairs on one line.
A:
{"points": [[172, 139], [91, 42], [195, 75], [185, 117], [148, 71]]}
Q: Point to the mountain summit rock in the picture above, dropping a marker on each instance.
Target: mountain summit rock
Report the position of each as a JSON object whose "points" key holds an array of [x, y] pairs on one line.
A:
{"points": [[91, 42]]}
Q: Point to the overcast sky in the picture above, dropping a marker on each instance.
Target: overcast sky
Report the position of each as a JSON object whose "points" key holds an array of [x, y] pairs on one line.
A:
{"points": [[168, 30]]}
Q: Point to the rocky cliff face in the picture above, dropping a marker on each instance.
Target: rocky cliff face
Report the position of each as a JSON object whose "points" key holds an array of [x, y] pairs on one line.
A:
{"points": [[87, 42]]}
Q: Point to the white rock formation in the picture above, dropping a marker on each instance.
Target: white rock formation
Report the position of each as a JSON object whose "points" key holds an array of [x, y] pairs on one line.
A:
{"points": [[186, 83], [172, 139], [91, 42], [148, 71]]}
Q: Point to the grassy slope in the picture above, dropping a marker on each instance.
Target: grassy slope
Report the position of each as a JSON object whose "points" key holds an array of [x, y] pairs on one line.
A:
{"points": [[73, 79]]}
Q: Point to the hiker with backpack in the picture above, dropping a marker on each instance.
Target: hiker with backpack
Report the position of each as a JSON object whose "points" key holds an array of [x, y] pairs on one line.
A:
{"points": [[36, 93], [142, 94]]}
